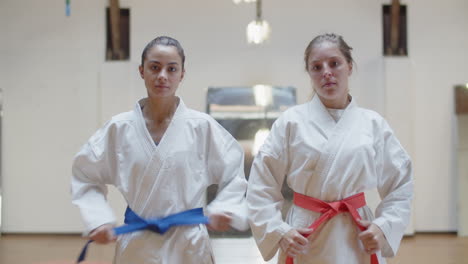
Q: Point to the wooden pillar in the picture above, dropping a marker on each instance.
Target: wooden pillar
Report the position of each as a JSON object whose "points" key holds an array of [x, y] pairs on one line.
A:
{"points": [[115, 29], [395, 26], [461, 99]]}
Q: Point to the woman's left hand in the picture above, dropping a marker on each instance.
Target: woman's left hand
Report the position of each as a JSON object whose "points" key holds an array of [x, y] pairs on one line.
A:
{"points": [[372, 238], [219, 222]]}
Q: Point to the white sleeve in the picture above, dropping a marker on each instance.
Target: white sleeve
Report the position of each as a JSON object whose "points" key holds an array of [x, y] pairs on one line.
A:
{"points": [[264, 197], [90, 174], [395, 186], [225, 159]]}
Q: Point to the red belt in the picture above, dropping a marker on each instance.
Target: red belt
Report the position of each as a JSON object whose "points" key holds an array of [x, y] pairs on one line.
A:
{"points": [[330, 210]]}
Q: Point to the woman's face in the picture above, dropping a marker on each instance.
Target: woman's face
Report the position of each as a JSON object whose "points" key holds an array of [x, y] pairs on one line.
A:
{"points": [[162, 71], [329, 72]]}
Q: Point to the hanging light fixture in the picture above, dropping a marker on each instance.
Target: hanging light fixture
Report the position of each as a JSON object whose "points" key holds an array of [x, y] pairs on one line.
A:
{"points": [[258, 30]]}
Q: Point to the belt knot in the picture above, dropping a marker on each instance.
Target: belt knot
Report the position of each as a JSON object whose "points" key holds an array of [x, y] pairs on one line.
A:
{"points": [[330, 210]]}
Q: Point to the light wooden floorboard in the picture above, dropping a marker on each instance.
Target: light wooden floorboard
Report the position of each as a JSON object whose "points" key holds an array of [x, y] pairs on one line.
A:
{"points": [[63, 249]]}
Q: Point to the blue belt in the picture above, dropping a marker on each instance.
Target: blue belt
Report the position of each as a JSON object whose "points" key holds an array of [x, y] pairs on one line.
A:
{"points": [[160, 225]]}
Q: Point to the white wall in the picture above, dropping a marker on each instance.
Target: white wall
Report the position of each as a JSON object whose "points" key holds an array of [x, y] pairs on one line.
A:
{"points": [[439, 53], [49, 70], [58, 87], [399, 98]]}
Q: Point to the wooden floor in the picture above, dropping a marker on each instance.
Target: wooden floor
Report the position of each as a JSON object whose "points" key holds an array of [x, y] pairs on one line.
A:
{"points": [[63, 249]]}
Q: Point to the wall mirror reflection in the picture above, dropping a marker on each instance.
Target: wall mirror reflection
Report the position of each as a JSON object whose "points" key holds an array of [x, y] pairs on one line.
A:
{"points": [[248, 114]]}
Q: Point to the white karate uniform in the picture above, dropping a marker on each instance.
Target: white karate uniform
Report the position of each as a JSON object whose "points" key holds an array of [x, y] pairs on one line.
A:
{"points": [[157, 181], [329, 160]]}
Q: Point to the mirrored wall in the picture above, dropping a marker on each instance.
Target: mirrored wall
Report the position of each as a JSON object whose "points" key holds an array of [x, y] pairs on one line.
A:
{"points": [[248, 114]]}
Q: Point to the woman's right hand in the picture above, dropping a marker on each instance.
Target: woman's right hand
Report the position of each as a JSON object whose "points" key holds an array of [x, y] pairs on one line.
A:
{"points": [[293, 243], [103, 234]]}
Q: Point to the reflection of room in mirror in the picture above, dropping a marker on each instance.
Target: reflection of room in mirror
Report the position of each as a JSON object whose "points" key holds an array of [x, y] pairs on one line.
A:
{"points": [[248, 114]]}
